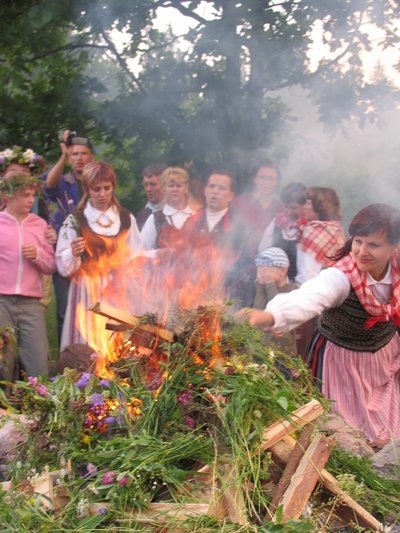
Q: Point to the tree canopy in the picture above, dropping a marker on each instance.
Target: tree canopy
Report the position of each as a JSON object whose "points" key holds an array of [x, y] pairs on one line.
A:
{"points": [[207, 97]]}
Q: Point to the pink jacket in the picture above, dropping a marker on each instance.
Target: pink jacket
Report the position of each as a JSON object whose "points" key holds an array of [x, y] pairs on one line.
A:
{"points": [[19, 275]]}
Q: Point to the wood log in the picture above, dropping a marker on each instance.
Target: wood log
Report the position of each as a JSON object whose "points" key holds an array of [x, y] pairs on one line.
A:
{"points": [[295, 457], [305, 477], [162, 512], [123, 317], [282, 451], [233, 499], [53, 497], [299, 418]]}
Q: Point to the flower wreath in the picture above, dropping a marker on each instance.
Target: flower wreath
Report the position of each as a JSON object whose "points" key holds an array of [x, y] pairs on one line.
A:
{"points": [[28, 157], [14, 182]]}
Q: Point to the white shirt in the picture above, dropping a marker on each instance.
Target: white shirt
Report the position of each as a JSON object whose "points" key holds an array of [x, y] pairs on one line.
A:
{"points": [[67, 264], [329, 289], [174, 218], [213, 217]]}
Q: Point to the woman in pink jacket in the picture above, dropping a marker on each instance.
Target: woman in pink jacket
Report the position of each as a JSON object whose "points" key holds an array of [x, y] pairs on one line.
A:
{"points": [[25, 255]]}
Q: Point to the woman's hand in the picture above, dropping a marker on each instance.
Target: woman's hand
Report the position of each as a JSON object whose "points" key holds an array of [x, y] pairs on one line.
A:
{"points": [[78, 246], [256, 318]]}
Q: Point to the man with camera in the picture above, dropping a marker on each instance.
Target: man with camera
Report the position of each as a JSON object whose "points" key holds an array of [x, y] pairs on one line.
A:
{"points": [[64, 190]]}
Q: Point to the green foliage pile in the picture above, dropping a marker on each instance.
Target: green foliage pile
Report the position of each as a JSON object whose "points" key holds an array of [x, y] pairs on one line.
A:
{"points": [[142, 435]]}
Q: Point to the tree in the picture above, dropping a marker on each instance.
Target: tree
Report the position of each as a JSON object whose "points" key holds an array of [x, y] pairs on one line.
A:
{"points": [[215, 102]]}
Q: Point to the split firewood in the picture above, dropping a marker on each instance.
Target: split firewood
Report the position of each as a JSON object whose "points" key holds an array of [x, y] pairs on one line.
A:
{"points": [[283, 449], [306, 477], [233, 499], [295, 457], [299, 418], [123, 317]]}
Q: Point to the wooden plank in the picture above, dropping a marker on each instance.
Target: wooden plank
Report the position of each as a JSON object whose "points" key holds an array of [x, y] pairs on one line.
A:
{"points": [[283, 449], [162, 512], [111, 312], [299, 418], [306, 477], [294, 459], [233, 499]]}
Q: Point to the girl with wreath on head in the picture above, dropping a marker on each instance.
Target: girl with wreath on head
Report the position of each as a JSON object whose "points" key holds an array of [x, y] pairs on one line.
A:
{"points": [[95, 246], [26, 255], [355, 353]]}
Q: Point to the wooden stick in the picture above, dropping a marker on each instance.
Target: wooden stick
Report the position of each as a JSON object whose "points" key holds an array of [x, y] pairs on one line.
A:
{"points": [[295, 457], [161, 512], [282, 451], [109, 311], [299, 418], [306, 477], [233, 499]]}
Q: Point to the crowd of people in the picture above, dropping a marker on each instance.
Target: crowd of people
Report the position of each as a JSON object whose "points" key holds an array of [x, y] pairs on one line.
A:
{"points": [[283, 260]]}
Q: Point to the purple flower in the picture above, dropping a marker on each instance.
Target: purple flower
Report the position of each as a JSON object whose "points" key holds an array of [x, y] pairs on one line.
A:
{"points": [[190, 422], [97, 399], [110, 420], [184, 398], [93, 356], [229, 371], [104, 383], [109, 477], [33, 381], [42, 390], [91, 469], [54, 379], [83, 381], [124, 481]]}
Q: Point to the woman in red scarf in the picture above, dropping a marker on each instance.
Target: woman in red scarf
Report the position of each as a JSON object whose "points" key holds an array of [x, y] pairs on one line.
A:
{"points": [[356, 350], [323, 236]]}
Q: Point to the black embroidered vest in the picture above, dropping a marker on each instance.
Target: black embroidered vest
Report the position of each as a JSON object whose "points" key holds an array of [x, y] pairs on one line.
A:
{"points": [[344, 326]]}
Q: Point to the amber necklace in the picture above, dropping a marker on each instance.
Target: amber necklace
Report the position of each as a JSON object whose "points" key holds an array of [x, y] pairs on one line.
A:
{"points": [[107, 224]]}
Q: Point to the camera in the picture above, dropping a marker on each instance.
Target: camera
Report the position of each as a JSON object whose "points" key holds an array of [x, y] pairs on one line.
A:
{"points": [[70, 138]]}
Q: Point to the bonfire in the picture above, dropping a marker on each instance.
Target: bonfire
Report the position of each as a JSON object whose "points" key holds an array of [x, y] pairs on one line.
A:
{"points": [[186, 421]]}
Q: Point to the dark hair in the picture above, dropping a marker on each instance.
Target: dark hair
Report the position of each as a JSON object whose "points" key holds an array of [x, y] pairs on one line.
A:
{"points": [[223, 172], [294, 192], [269, 163], [153, 170], [371, 219], [325, 203]]}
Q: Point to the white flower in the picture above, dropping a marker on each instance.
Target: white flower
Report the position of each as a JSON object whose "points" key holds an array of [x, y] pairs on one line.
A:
{"points": [[8, 153], [29, 154], [83, 508]]}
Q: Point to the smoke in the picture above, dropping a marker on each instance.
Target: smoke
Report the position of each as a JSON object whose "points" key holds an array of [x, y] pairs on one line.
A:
{"points": [[361, 164]]}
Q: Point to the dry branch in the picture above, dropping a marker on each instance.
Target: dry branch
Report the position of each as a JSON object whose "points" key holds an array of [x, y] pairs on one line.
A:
{"points": [[123, 317]]}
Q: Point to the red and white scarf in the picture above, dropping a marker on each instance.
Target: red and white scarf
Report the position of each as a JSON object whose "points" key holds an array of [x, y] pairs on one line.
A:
{"points": [[379, 312], [322, 239]]}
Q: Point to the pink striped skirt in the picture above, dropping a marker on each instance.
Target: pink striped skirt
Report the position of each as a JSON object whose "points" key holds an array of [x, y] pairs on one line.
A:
{"points": [[365, 387]]}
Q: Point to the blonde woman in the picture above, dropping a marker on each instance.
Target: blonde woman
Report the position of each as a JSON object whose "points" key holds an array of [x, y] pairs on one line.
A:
{"points": [[162, 229]]}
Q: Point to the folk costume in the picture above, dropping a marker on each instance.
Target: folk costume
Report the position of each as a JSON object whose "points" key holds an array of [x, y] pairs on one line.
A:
{"points": [[112, 239], [319, 240], [356, 351]]}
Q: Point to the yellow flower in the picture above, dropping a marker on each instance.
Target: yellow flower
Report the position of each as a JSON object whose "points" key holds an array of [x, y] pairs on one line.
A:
{"points": [[86, 439]]}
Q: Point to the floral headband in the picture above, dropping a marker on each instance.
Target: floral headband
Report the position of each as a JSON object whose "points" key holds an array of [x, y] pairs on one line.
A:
{"points": [[15, 182], [35, 162]]}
